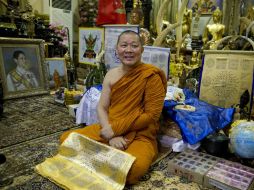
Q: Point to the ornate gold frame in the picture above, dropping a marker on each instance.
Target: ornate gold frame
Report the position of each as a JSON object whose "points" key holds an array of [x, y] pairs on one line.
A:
{"points": [[34, 50]]}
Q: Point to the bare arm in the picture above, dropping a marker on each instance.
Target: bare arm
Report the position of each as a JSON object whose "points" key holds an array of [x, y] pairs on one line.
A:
{"points": [[102, 108]]}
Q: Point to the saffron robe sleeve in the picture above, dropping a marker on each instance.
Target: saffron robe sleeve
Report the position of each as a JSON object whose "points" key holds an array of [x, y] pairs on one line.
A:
{"points": [[143, 104]]}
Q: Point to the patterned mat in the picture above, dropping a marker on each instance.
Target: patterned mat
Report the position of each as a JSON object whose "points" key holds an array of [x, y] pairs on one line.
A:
{"points": [[32, 117], [22, 158], [30, 133]]}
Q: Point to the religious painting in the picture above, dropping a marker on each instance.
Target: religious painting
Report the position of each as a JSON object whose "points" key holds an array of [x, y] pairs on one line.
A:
{"points": [[227, 76], [91, 41], [57, 73], [111, 35], [22, 68], [158, 57], [204, 6]]}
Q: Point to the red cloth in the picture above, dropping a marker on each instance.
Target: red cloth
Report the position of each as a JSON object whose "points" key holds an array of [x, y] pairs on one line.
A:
{"points": [[111, 12]]}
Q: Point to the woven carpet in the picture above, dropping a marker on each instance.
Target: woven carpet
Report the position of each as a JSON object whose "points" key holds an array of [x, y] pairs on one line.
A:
{"points": [[32, 117], [31, 129]]}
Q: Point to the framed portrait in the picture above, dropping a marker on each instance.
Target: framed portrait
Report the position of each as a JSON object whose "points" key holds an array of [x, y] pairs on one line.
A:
{"points": [[157, 56], [22, 66], [57, 73], [204, 6], [111, 35], [91, 42], [226, 76]]}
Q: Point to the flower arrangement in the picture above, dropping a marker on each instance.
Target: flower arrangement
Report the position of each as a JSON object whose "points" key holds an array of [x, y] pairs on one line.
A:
{"points": [[61, 32]]}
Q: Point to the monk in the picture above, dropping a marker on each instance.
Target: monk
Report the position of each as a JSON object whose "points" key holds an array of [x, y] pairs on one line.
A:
{"points": [[130, 105]]}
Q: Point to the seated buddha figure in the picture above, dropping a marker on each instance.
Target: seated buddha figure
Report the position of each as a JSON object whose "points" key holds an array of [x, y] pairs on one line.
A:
{"points": [[216, 30], [137, 18]]}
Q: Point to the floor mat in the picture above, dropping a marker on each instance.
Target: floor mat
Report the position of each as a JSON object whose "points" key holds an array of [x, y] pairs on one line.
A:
{"points": [[32, 117], [22, 158]]}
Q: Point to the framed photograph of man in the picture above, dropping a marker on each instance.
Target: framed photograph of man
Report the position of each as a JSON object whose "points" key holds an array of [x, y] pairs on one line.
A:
{"points": [[91, 42], [57, 73], [23, 70]]}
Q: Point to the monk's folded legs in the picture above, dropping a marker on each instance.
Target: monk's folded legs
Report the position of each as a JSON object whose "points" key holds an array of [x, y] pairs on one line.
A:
{"points": [[145, 155], [91, 131], [139, 148]]}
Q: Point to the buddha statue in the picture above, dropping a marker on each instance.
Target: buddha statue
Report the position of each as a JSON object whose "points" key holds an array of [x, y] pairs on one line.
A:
{"points": [[216, 30], [194, 59], [137, 18]]}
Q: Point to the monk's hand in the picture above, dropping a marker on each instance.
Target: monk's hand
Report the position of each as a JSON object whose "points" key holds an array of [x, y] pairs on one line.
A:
{"points": [[107, 133], [118, 142]]}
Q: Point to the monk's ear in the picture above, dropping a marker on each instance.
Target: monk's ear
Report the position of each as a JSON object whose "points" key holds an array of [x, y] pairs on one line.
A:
{"points": [[142, 49]]}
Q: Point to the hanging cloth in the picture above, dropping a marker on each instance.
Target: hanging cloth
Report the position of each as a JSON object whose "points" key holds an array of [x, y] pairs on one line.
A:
{"points": [[111, 12]]}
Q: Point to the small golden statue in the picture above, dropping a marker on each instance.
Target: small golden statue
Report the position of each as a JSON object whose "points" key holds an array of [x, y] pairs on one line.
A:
{"points": [[216, 30], [177, 67], [137, 18], [187, 19], [29, 17], [194, 58]]}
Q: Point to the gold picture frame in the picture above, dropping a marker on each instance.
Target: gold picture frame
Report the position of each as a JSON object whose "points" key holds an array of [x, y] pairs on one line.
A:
{"points": [[22, 68], [57, 73]]}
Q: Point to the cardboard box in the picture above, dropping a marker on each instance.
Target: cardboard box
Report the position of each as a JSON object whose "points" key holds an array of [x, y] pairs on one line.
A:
{"points": [[227, 175], [192, 164]]}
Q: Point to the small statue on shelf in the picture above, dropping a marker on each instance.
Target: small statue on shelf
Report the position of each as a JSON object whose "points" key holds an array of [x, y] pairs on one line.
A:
{"points": [[187, 42], [29, 17], [187, 19], [194, 58], [194, 62], [137, 18], [216, 30], [177, 67]]}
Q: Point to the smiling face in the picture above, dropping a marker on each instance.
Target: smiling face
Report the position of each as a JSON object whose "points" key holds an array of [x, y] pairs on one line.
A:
{"points": [[21, 61], [129, 49]]}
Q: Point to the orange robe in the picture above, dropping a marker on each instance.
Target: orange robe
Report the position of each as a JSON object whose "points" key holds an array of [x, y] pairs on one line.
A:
{"points": [[135, 107]]}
